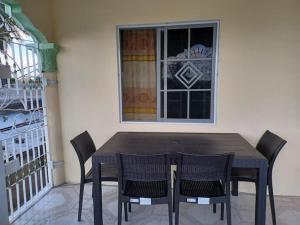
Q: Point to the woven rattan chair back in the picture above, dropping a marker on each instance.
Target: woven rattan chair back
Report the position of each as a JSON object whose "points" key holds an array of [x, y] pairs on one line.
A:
{"points": [[144, 177], [270, 145], [143, 167], [84, 146], [204, 167]]}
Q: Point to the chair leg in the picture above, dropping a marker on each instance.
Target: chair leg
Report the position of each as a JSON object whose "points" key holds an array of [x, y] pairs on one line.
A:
{"points": [[214, 208], [272, 205], [80, 200], [256, 192], [119, 211], [125, 211], [222, 211], [174, 196], [235, 188], [176, 212], [228, 211], [129, 207], [170, 206]]}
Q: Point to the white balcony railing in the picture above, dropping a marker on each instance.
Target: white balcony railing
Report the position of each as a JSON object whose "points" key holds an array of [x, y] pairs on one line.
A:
{"points": [[23, 122]]}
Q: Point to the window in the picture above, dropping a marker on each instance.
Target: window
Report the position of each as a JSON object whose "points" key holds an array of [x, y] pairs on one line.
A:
{"points": [[168, 73]]}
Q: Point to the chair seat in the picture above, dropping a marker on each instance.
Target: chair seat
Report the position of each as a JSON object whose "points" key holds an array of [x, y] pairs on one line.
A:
{"points": [[108, 173], [201, 188], [243, 174], [153, 189]]}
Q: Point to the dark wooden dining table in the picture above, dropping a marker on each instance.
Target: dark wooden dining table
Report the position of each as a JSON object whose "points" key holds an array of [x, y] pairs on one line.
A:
{"points": [[246, 156]]}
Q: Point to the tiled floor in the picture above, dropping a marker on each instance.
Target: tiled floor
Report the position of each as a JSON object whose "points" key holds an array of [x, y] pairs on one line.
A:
{"points": [[59, 207]]}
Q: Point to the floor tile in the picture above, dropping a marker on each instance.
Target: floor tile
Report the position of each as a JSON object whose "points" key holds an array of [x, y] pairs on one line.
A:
{"points": [[60, 207]]}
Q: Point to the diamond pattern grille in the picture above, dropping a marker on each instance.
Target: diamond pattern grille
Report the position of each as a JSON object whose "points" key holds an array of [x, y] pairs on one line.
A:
{"points": [[188, 75]]}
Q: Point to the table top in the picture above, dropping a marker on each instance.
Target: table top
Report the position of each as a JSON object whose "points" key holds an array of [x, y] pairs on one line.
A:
{"points": [[147, 143]]}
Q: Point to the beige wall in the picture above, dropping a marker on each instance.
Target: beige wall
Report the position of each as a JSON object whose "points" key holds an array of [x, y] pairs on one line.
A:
{"points": [[39, 12], [259, 71]]}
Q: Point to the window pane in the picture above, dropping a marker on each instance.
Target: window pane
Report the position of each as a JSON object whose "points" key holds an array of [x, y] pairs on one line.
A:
{"points": [[162, 99], [177, 43], [162, 76], [172, 81], [204, 68], [189, 74], [200, 104], [177, 105], [201, 42], [138, 57]]}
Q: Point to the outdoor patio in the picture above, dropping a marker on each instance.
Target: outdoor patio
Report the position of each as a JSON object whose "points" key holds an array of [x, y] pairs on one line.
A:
{"points": [[184, 112], [60, 206]]}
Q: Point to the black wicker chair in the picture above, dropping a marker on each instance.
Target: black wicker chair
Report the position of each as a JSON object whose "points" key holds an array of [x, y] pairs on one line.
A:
{"points": [[85, 147], [203, 179], [144, 180], [269, 145]]}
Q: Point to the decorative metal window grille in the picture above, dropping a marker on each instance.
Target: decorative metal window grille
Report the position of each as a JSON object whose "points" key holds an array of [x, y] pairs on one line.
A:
{"points": [[23, 118]]}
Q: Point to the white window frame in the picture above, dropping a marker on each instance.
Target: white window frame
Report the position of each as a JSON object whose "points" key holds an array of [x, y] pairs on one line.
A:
{"points": [[213, 112]]}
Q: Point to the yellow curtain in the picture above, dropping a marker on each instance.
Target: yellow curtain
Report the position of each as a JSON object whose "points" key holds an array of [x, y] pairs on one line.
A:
{"points": [[139, 74]]}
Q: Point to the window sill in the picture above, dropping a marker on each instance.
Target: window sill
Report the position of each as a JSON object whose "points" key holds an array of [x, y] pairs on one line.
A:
{"points": [[168, 123]]}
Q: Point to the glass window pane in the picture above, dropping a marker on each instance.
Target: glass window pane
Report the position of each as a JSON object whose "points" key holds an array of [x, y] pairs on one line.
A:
{"points": [[189, 75], [174, 82], [162, 99], [201, 42], [200, 104], [177, 105], [162, 76], [204, 69], [177, 43]]}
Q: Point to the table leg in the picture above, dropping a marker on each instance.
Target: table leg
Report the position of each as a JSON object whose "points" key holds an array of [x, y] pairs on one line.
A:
{"points": [[97, 193], [261, 194]]}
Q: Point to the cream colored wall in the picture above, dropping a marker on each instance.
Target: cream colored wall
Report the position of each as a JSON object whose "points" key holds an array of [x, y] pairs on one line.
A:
{"points": [[259, 71], [39, 12]]}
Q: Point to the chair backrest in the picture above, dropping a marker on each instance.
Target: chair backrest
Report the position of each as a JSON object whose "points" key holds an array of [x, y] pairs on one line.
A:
{"points": [[84, 146], [204, 167], [270, 145], [143, 167]]}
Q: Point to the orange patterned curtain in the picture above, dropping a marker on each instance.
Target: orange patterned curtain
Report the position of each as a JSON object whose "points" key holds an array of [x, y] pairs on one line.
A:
{"points": [[139, 74]]}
